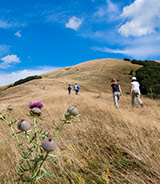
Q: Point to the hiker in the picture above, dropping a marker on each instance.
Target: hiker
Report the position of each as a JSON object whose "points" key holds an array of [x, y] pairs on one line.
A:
{"points": [[69, 89], [135, 92], [117, 92], [76, 88]]}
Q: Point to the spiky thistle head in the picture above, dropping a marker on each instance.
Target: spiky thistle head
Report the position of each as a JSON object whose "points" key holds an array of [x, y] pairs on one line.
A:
{"points": [[10, 108], [49, 144], [73, 110], [23, 125]]}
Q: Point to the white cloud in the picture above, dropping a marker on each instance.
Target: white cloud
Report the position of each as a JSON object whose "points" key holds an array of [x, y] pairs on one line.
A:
{"points": [[74, 23], [140, 33], [4, 49], [112, 7], [53, 16], [106, 49], [8, 60], [6, 24], [108, 11], [102, 11], [142, 18], [18, 34], [135, 51], [8, 78]]}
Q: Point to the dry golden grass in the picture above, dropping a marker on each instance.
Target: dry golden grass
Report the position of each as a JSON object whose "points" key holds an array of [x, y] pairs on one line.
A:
{"points": [[125, 140], [96, 75]]}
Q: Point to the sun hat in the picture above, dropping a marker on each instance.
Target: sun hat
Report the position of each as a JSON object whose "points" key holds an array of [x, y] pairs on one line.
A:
{"points": [[134, 78]]}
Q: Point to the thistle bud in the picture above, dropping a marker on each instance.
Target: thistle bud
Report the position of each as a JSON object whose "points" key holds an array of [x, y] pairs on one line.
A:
{"points": [[46, 133], [23, 125], [49, 144], [10, 108], [67, 115], [36, 111], [73, 110]]}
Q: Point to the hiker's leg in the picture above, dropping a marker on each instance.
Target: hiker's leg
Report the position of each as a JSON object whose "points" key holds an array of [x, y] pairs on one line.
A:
{"points": [[115, 99], [118, 98], [139, 100], [132, 100]]}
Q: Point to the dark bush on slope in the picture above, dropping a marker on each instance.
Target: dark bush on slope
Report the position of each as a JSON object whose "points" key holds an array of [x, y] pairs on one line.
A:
{"points": [[27, 79], [149, 77]]}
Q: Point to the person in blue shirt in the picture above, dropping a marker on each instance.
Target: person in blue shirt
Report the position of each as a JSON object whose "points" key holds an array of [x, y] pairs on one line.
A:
{"points": [[76, 88], [117, 92]]}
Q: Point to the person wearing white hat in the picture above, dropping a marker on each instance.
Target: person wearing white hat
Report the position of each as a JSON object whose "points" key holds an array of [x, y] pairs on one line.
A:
{"points": [[135, 92]]}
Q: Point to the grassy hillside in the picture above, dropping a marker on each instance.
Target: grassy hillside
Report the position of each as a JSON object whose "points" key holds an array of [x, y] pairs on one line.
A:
{"points": [[96, 75], [122, 143]]}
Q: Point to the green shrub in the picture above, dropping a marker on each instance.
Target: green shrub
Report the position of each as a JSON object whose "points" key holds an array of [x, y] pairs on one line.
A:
{"points": [[126, 59], [155, 89], [149, 77], [21, 81], [145, 62], [131, 72]]}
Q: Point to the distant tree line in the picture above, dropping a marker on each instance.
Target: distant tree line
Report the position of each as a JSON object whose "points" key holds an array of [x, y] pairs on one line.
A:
{"points": [[126, 59], [149, 77], [21, 81]]}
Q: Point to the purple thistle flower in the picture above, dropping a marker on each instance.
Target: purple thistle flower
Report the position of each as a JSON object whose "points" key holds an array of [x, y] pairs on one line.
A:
{"points": [[35, 104]]}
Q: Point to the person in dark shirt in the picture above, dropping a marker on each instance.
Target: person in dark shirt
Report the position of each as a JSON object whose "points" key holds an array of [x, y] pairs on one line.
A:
{"points": [[69, 89], [117, 92]]}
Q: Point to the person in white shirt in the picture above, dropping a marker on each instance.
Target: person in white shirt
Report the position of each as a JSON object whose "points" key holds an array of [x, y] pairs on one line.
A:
{"points": [[76, 88], [135, 92]]}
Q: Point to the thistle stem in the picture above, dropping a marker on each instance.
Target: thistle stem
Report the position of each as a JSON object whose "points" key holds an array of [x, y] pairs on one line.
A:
{"points": [[16, 137], [35, 136], [59, 129], [19, 144], [38, 169]]}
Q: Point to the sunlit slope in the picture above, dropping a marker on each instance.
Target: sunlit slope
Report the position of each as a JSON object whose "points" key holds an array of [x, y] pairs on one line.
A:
{"points": [[96, 75], [125, 140], [92, 75]]}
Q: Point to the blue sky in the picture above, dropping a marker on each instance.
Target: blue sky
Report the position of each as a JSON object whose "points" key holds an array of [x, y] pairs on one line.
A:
{"points": [[37, 36]]}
